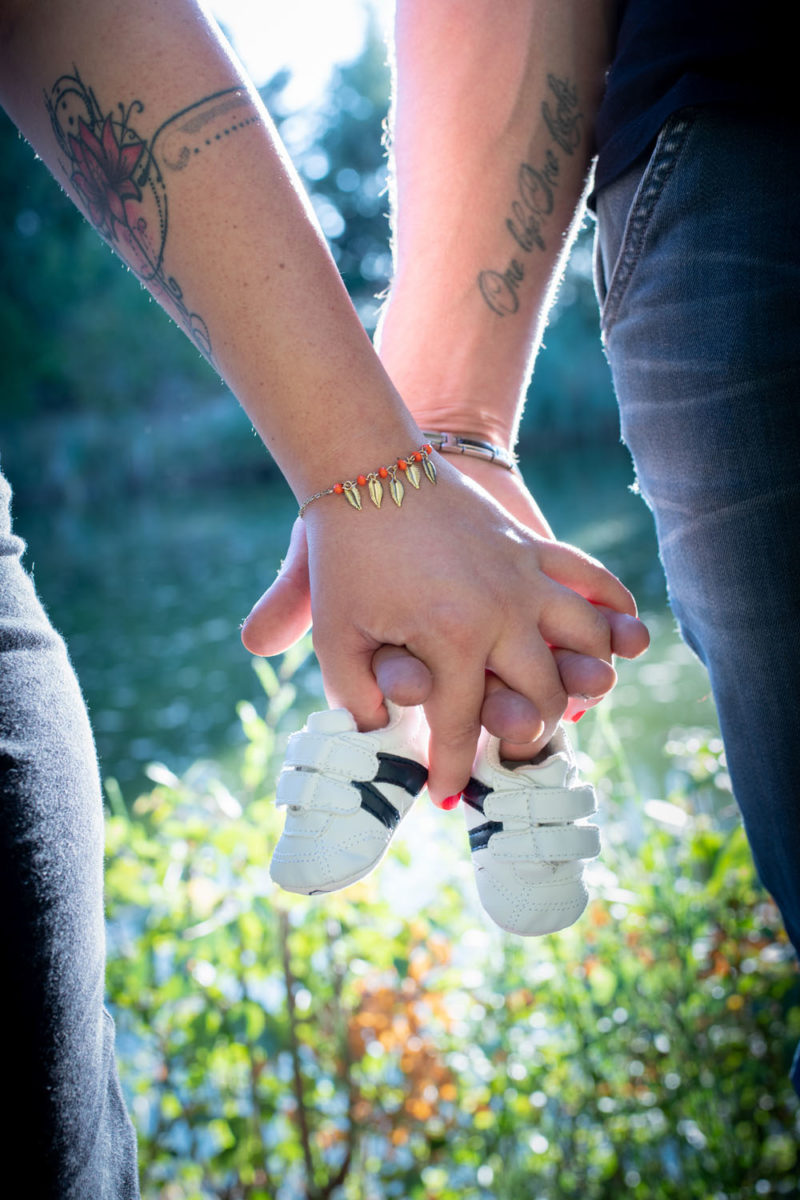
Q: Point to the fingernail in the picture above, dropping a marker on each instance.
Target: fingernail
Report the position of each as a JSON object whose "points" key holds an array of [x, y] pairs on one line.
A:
{"points": [[451, 801], [577, 716]]}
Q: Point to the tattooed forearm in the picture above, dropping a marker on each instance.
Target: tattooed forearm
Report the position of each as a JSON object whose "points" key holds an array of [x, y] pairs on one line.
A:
{"points": [[119, 176], [535, 198]]}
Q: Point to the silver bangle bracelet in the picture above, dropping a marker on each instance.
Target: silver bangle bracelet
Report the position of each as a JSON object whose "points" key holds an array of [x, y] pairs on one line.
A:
{"points": [[461, 443]]}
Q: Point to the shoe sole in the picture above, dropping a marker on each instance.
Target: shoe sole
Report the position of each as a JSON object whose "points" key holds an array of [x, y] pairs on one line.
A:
{"points": [[339, 885]]}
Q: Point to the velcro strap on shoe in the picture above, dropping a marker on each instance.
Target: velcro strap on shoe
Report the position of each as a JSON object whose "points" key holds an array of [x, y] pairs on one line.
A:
{"points": [[405, 773], [546, 843], [542, 804], [331, 754], [305, 789], [376, 804]]}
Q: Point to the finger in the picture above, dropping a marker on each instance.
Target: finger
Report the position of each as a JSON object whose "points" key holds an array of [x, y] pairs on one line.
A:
{"points": [[577, 672], [283, 614], [568, 621], [345, 660], [587, 679], [453, 714], [516, 720], [406, 681], [629, 636], [585, 575], [509, 715], [400, 676], [530, 669]]}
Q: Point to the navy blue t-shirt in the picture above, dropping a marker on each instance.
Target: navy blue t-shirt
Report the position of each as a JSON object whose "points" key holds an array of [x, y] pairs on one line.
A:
{"points": [[671, 54]]}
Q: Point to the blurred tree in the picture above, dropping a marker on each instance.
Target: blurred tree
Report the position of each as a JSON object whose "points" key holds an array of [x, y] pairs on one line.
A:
{"points": [[345, 172]]}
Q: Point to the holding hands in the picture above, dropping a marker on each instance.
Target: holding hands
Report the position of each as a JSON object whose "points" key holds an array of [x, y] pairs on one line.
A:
{"points": [[462, 600], [418, 604]]}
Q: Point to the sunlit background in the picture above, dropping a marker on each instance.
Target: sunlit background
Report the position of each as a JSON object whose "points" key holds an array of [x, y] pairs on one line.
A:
{"points": [[309, 37], [640, 1055]]}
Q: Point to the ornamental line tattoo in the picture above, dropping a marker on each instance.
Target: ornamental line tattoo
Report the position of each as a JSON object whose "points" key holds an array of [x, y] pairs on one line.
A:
{"points": [[535, 197], [120, 177]]}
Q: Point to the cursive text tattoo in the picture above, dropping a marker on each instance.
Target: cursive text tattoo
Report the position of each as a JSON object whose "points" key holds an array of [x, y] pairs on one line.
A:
{"points": [[535, 198], [564, 123], [120, 177]]}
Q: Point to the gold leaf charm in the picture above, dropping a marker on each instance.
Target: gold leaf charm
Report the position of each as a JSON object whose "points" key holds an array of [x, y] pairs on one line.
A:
{"points": [[353, 495], [375, 490], [429, 468], [412, 475], [396, 491]]}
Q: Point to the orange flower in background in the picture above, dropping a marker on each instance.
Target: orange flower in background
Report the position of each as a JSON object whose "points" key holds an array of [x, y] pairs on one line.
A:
{"points": [[405, 1021]]}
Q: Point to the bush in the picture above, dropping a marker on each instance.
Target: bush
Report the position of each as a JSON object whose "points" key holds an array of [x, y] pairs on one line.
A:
{"points": [[275, 1047]]}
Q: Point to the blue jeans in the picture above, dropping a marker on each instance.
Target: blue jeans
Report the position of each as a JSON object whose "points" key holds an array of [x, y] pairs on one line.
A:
{"points": [[66, 1134], [698, 274]]}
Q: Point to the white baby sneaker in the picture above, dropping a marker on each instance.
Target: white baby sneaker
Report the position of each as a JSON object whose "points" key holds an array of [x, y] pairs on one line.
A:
{"points": [[345, 794], [527, 849]]}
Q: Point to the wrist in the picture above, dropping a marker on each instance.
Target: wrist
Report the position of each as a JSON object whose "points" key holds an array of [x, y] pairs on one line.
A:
{"points": [[358, 444], [452, 379], [390, 481], [467, 429]]}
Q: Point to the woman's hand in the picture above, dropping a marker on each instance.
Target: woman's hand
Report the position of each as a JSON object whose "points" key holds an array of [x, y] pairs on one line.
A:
{"points": [[463, 587]]}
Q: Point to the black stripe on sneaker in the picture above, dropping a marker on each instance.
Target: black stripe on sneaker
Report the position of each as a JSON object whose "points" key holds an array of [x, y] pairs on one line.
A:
{"points": [[377, 805], [480, 835], [475, 793], [411, 776]]}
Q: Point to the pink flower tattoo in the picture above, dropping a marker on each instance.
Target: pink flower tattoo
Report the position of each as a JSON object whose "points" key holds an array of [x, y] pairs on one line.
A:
{"points": [[119, 176], [102, 175]]}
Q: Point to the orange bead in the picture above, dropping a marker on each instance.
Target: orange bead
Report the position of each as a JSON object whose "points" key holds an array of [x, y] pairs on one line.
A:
{"points": [[402, 464], [417, 457], [361, 480], [428, 448], [383, 472], [337, 487]]}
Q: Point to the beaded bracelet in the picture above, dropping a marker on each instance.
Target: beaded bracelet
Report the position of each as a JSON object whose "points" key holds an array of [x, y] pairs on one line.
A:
{"points": [[409, 467]]}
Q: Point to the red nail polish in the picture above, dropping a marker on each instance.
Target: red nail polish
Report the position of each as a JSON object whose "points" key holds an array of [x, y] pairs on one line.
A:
{"points": [[577, 716], [451, 801]]}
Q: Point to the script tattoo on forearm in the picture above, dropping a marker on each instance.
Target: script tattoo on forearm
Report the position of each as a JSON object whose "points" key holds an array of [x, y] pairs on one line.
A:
{"points": [[536, 187], [121, 178]]}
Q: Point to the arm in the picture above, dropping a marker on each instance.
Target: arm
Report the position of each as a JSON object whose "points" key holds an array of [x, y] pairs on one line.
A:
{"points": [[144, 115], [148, 122], [492, 143], [492, 121]]}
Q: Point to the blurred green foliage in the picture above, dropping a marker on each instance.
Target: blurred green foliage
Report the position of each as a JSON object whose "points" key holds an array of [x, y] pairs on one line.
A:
{"points": [[345, 173], [277, 1047], [77, 332]]}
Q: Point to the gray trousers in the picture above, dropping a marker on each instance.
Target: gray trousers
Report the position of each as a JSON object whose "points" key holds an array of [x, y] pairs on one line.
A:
{"points": [[66, 1134]]}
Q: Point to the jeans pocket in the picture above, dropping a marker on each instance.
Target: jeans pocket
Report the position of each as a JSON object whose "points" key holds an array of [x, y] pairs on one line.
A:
{"points": [[612, 284]]}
